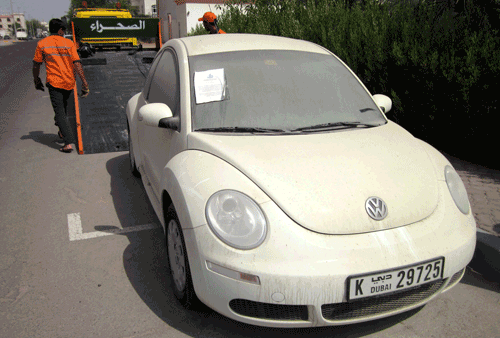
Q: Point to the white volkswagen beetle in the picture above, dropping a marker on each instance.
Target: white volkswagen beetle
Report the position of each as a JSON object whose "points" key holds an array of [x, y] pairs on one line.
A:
{"points": [[286, 196]]}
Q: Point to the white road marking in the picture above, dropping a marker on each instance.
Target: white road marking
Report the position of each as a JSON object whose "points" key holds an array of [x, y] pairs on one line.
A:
{"points": [[76, 231]]}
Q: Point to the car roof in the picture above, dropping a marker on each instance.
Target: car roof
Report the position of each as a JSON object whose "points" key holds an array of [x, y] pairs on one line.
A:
{"points": [[220, 43]]}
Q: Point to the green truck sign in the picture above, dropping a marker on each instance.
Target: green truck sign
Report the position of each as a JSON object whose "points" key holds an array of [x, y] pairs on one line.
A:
{"points": [[115, 27]]}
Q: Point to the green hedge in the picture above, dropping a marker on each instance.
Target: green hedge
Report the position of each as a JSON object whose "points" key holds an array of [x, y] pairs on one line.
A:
{"points": [[440, 66]]}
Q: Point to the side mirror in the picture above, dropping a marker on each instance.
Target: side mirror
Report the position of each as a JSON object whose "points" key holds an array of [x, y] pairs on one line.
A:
{"points": [[383, 101], [158, 115]]}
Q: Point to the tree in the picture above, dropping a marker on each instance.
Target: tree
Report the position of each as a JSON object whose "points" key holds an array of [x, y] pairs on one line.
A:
{"points": [[33, 25]]}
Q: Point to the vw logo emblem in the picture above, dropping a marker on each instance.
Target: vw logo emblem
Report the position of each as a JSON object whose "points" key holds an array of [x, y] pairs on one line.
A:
{"points": [[376, 208]]}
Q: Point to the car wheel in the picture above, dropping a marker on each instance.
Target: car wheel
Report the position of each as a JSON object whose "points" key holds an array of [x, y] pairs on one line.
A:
{"points": [[133, 166], [180, 273]]}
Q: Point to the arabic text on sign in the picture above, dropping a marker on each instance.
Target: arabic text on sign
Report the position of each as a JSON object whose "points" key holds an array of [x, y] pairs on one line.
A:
{"points": [[100, 28]]}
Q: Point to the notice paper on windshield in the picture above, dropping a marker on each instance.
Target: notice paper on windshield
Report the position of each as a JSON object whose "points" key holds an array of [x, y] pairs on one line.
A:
{"points": [[209, 86]]}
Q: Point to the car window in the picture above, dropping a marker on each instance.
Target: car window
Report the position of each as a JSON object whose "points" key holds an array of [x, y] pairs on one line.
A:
{"points": [[165, 82], [276, 89], [147, 84]]}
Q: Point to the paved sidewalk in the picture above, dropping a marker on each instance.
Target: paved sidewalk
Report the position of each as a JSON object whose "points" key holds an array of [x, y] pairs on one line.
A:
{"points": [[6, 43]]}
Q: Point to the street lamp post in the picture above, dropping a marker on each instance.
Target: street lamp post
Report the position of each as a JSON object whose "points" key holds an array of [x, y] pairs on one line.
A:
{"points": [[14, 24]]}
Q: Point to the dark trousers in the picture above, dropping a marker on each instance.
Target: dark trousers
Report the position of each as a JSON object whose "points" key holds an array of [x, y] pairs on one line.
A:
{"points": [[60, 99]]}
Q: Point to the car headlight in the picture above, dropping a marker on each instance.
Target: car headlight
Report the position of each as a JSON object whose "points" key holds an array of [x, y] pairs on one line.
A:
{"points": [[236, 219], [457, 189]]}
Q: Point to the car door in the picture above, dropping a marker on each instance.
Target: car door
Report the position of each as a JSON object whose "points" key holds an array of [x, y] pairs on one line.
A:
{"points": [[155, 142]]}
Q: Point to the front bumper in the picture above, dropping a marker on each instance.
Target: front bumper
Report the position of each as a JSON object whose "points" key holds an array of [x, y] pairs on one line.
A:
{"points": [[303, 275]]}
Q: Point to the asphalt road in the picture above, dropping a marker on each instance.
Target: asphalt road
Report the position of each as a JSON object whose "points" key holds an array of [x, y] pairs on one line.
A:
{"points": [[82, 254]]}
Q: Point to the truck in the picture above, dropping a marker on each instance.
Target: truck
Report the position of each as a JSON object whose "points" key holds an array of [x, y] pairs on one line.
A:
{"points": [[21, 34], [101, 43]]}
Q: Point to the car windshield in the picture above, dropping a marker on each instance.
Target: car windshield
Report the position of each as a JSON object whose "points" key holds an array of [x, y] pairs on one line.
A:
{"points": [[277, 90]]}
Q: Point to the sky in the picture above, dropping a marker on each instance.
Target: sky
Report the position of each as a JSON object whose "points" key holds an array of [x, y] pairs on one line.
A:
{"points": [[42, 10]]}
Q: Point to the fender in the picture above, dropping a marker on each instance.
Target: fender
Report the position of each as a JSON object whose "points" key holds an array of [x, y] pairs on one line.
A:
{"points": [[192, 176], [438, 160], [131, 111]]}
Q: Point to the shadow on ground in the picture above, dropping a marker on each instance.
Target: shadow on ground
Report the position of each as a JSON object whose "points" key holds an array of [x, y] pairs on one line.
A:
{"points": [[49, 140], [487, 282]]}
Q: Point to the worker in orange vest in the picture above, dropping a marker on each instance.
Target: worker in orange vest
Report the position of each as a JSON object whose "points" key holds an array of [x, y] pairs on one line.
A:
{"points": [[61, 63], [210, 23]]}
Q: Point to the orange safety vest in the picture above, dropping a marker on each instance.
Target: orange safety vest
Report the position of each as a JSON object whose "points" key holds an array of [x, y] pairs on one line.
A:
{"points": [[59, 55]]}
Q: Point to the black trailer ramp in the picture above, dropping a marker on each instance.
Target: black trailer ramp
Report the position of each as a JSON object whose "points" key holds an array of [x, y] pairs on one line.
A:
{"points": [[112, 83]]}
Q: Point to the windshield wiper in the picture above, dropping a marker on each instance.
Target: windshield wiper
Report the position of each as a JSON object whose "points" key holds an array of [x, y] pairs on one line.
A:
{"points": [[335, 125], [242, 130]]}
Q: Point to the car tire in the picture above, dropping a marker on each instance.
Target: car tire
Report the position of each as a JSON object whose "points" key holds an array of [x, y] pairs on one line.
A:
{"points": [[133, 166], [180, 273]]}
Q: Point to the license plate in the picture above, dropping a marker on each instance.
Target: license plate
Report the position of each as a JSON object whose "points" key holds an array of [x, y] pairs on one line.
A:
{"points": [[382, 282]]}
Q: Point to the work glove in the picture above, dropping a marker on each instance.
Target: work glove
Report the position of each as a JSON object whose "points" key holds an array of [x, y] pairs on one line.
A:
{"points": [[39, 84], [85, 92]]}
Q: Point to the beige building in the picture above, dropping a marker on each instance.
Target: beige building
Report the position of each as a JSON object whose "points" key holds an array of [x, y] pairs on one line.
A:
{"points": [[146, 7], [7, 23]]}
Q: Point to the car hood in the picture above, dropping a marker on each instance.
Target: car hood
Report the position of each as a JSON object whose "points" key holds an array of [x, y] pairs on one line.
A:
{"points": [[323, 180]]}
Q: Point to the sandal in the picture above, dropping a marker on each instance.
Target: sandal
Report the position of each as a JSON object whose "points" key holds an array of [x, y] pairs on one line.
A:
{"points": [[65, 149]]}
